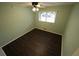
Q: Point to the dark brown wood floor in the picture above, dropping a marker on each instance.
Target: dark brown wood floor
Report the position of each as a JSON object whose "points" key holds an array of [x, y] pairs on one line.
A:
{"points": [[35, 43]]}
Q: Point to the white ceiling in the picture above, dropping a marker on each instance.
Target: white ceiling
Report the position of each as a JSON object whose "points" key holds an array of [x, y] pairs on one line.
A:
{"points": [[45, 4], [56, 3]]}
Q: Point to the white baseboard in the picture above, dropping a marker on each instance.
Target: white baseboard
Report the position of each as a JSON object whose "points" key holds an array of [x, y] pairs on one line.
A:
{"points": [[49, 31], [62, 46], [2, 53], [15, 38]]}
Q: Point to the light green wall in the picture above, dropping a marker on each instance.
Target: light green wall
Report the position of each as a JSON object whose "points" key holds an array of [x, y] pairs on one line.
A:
{"points": [[58, 27], [14, 21], [71, 37]]}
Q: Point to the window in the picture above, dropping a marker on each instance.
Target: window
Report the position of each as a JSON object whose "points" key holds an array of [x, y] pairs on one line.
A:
{"points": [[47, 17]]}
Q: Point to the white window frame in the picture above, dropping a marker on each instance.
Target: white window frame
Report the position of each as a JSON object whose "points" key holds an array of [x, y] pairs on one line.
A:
{"points": [[46, 20]]}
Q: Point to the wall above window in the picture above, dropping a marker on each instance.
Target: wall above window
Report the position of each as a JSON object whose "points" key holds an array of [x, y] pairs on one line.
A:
{"points": [[60, 20]]}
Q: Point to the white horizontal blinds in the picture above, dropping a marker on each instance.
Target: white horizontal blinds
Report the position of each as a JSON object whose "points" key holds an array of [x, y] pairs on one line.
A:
{"points": [[47, 17]]}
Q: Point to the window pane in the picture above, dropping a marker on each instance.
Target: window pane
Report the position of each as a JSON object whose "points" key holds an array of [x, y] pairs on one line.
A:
{"points": [[47, 17], [42, 16], [51, 17]]}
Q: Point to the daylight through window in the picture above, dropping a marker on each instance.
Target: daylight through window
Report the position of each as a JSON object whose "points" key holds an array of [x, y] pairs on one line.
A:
{"points": [[47, 17]]}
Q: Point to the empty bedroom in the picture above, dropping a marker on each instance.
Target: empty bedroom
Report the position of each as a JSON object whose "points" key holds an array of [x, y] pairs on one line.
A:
{"points": [[39, 28]]}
